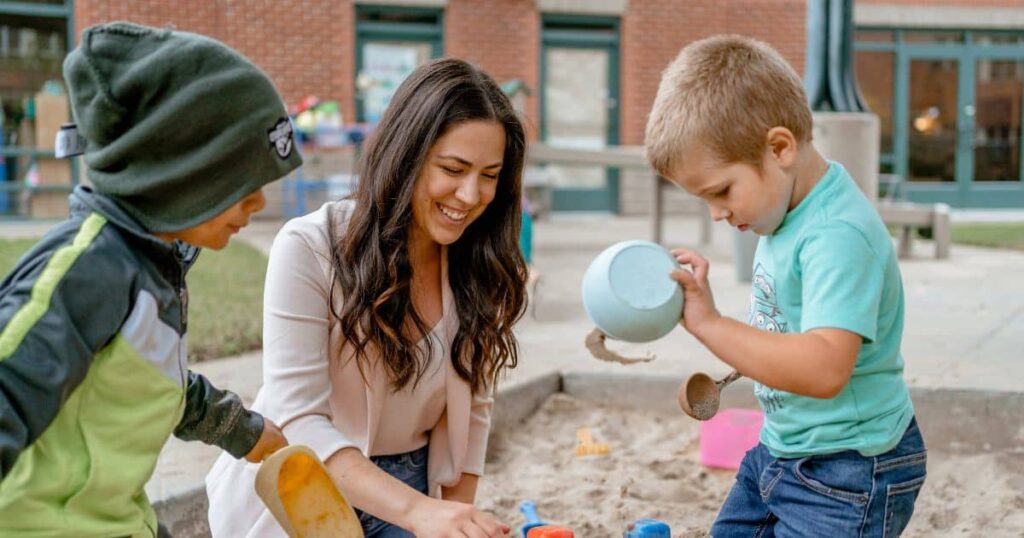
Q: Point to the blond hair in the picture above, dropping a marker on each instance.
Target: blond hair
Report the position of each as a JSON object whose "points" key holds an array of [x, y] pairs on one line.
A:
{"points": [[725, 92]]}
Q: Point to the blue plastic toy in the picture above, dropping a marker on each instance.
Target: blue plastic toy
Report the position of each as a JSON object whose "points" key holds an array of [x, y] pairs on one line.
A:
{"points": [[529, 510], [647, 528], [628, 294]]}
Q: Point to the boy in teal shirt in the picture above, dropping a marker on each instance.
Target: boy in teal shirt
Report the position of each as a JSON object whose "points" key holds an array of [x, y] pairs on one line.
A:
{"points": [[840, 453]]}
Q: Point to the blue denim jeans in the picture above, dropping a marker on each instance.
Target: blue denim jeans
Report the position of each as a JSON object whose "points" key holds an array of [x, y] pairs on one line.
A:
{"points": [[410, 468], [835, 495]]}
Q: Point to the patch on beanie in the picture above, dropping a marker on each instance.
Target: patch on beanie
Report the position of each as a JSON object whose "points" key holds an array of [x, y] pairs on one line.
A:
{"points": [[281, 138]]}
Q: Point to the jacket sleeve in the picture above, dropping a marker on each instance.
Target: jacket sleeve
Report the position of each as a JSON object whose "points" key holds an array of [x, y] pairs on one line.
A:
{"points": [[58, 307], [218, 417]]}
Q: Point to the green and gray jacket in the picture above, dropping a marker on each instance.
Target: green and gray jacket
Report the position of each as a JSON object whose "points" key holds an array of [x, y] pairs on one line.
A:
{"points": [[94, 378]]}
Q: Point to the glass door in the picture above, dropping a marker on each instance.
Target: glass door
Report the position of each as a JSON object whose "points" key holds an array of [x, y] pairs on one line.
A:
{"points": [[933, 134]]}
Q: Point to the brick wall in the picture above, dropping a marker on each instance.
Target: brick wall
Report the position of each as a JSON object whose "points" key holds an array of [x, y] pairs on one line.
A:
{"points": [[304, 45], [653, 31], [503, 38]]}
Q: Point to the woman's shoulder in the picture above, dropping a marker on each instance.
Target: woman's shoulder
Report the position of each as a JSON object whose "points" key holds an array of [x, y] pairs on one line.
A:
{"points": [[312, 228]]}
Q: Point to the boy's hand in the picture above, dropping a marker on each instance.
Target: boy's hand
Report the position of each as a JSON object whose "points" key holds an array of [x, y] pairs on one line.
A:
{"points": [[271, 440], [698, 304]]}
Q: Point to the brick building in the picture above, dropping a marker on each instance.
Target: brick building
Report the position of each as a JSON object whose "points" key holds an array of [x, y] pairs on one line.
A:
{"points": [[593, 66]]}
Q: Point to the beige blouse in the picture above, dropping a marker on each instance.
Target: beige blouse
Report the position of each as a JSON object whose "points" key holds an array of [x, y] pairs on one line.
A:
{"points": [[316, 394]]}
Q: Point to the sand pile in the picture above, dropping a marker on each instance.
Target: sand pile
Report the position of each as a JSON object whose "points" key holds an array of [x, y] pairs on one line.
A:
{"points": [[653, 471]]}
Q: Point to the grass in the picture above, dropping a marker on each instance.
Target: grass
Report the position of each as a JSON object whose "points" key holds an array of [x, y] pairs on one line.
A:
{"points": [[226, 302], [11, 250], [225, 297], [1008, 235]]}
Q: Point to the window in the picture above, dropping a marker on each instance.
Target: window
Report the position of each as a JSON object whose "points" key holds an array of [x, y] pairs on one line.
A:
{"points": [[390, 43], [34, 39]]}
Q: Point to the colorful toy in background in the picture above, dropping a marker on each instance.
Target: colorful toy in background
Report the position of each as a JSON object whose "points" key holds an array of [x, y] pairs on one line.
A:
{"points": [[586, 446], [529, 510], [648, 528], [319, 121]]}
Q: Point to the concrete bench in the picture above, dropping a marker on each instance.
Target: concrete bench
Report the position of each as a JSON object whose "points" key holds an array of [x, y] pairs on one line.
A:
{"points": [[910, 216]]}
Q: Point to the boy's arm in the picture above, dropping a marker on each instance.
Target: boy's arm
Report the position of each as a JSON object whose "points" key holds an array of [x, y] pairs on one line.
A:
{"points": [[56, 315], [218, 417], [841, 294], [817, 363]]}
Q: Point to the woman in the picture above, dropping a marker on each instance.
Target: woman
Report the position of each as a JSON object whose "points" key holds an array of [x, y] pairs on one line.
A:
{"points": [[388, 315]]}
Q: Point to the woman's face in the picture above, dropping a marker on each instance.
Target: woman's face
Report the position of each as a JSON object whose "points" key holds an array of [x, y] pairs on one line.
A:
{"points": [[458, 180]]}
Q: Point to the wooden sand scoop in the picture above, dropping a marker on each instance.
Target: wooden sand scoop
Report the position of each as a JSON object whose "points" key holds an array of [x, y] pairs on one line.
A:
{"points": [[295, 486]]}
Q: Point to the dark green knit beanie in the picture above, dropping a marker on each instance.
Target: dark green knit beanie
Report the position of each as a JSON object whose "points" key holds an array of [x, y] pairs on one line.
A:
{"points": [[179, 127]]}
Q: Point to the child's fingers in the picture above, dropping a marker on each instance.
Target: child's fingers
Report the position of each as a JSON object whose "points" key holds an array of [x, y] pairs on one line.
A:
{"points": [[684, 278], [687, 256], [699, 263]]}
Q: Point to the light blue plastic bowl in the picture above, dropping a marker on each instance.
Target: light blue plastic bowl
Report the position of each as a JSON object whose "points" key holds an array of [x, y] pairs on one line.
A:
{"points": [[628, 294]]}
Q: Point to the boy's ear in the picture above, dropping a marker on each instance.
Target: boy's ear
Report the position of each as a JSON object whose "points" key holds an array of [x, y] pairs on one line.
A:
{"points": [[783, 146]]}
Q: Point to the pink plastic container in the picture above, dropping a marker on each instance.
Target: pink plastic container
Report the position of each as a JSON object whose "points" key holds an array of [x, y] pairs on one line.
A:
{"points": [[728, 436]]}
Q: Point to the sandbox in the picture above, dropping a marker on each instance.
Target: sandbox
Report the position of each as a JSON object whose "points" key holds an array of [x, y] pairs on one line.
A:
{"points": [[975, 484]]}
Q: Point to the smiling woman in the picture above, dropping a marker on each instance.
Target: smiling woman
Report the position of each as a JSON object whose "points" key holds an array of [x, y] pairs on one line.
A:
{"points": [[388, 316]]}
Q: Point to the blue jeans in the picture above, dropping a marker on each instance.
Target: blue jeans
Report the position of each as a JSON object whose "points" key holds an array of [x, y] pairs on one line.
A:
{"points": [[410, 468], [836, 495]]}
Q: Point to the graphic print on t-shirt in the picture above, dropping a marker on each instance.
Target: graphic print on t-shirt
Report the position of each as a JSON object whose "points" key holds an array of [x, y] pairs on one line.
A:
{"points": [[765, 314]]}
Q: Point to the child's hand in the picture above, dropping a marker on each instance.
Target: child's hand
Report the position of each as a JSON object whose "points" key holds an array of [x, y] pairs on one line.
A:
{"points": [[271, 440], [698, 304]]}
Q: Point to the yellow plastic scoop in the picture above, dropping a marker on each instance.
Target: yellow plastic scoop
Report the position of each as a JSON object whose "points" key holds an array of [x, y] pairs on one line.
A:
{"points": [[295, 486]]}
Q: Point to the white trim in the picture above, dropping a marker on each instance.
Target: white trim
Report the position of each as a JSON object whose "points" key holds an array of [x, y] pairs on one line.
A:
{"points": [[404, 3], [992, 18], [154, 340], [584, 7]]}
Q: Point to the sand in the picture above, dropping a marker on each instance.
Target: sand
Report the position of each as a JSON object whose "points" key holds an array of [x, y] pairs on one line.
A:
{"points": [[653, 471]]}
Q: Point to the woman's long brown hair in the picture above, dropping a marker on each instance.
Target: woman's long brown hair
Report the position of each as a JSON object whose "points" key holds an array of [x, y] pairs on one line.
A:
{"points": [[486, 269]]}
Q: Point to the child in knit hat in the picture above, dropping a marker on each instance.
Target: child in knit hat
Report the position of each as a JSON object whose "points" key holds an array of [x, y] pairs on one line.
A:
{"points": [[180, 133]]}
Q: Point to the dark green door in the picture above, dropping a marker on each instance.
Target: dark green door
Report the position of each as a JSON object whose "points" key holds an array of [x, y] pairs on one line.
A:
{"points": [[580, 106]]}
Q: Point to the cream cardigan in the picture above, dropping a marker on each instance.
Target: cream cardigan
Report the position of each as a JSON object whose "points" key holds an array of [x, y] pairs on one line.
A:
{"points": [[318, 396]]}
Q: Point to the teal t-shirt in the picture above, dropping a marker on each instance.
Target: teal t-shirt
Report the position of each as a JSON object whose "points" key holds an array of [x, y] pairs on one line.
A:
{"points": [[831, 264]]}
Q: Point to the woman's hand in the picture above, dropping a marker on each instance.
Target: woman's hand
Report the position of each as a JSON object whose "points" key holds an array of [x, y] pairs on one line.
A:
{"points": [[698, 303], [434, 518]]}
